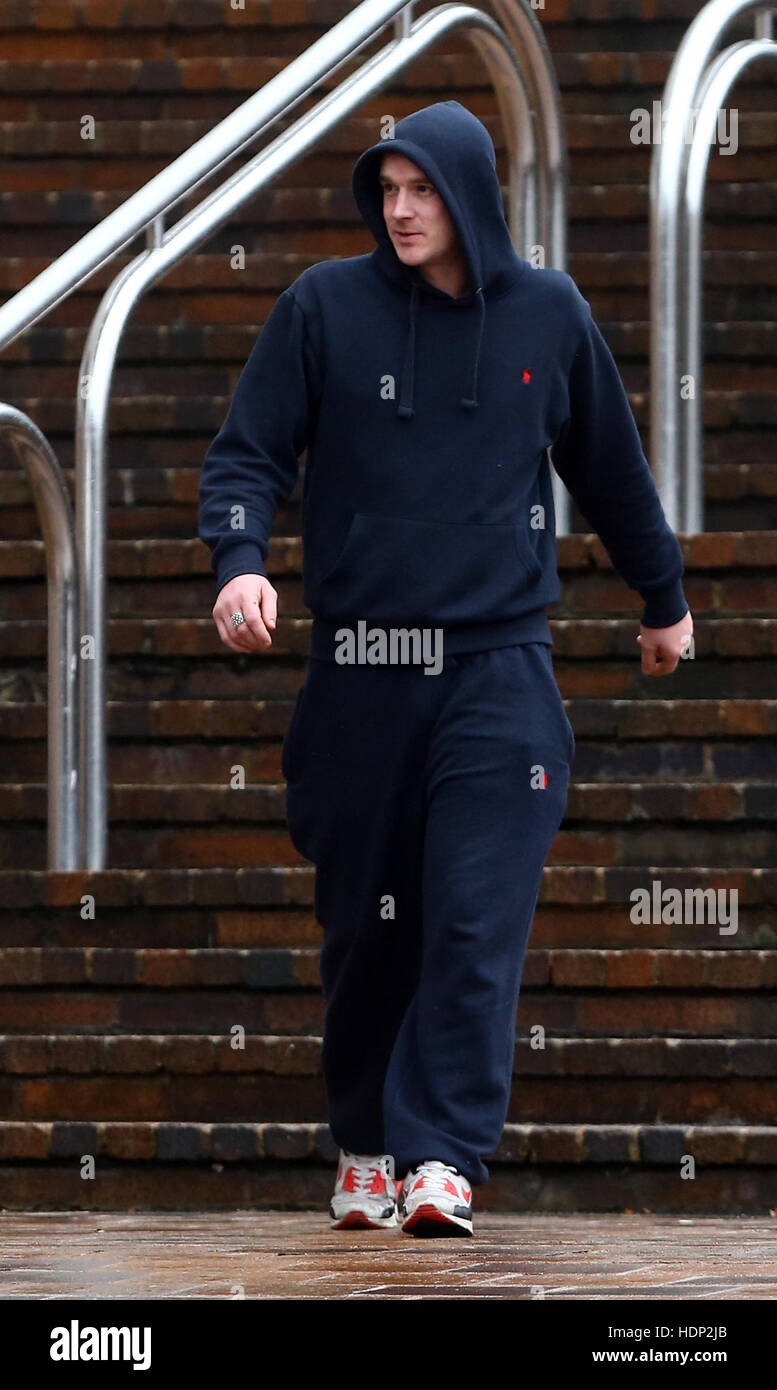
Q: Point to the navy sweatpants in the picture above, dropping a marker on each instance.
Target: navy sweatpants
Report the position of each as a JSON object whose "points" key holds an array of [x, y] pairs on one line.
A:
{"points": [[428, 804]]}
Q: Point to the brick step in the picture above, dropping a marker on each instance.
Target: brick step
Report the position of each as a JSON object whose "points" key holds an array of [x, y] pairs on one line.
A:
{"points": [[301, 218], [289, 1057], [742, 497], [575, 846], [285, 1008], [637, 968], [605, 801], [536, 1167], [732, 595], [119, 91], [147, 845], [270, 267], [606, 718], [740, 298], [617, 282], [145, 131], [737, 321], [615, 822], [229, 677], [745, 395], [735, 594], [145, 557], [118, 87], [165, 1054], [146, 502], [624, 295], [173, 1078], [187, 85], [597, 132], [147, 641], [145, 140], [140, 472], [202, 373], [579, 908], [679, 780], [243, 1097], [262, 887], [735, 392]]}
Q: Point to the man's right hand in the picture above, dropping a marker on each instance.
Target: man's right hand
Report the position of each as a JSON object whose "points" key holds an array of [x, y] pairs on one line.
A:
{"points": [[257, 600]]}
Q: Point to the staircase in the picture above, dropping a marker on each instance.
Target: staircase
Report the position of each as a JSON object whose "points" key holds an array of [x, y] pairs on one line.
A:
{"points": [[120, 992]]}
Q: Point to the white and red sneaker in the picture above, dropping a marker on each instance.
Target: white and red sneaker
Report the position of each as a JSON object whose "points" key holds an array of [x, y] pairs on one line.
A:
{"points": [[435, 1200], [365, 1192]]}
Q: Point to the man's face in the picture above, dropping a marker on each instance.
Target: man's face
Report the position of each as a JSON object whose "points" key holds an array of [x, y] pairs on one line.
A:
{"points": [[421, 229]]}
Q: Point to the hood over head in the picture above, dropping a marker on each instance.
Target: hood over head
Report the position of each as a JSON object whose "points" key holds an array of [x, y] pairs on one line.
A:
{"points": [[457, 153]]}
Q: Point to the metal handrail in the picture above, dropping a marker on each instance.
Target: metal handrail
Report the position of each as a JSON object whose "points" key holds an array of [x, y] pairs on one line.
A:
{"points": [[37, 458], [525, 83], [678, 170], [719, 79]]}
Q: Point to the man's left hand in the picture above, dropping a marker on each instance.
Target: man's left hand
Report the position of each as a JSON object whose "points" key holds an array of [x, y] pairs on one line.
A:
{"points": [[662, 647]]}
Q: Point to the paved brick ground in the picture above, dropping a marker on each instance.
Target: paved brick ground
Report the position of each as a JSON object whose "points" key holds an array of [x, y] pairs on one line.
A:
{"points": [[280, 1255]]}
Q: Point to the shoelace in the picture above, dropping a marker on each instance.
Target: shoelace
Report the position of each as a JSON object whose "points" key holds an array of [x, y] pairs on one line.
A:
{"points": [[436, 1174], [365, 1172]]}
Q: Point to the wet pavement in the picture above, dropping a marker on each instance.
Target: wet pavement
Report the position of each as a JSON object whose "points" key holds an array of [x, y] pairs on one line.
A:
{"points": [[280, 1255]]}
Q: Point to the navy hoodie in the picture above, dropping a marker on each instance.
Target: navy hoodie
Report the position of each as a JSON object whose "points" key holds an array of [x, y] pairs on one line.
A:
{"points": [[427, 497]]}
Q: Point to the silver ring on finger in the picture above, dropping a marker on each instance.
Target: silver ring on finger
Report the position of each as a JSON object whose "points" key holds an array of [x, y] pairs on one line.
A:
{"points": [[237, 618]]}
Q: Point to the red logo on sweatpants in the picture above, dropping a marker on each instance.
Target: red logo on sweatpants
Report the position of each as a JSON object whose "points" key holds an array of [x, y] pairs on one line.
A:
{"points": [[526, 374]]}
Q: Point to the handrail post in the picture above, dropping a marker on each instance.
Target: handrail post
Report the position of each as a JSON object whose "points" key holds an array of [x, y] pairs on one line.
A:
{"points": [[403, 22], [37, 458], [525, 34], [674, 454], [718, 80]]}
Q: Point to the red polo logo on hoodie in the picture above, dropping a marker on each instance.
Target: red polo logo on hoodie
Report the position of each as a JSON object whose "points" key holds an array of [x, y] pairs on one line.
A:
{"points": [[526, 374]]}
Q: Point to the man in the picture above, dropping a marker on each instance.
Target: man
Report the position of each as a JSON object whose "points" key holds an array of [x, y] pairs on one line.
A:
{"points": [[428, 380]]}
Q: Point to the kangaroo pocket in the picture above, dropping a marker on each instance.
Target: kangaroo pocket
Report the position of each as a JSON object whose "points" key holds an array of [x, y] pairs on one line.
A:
{"points": [[401, 569]]}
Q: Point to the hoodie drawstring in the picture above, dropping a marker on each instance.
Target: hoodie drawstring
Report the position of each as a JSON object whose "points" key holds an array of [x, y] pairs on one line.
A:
{"points": [[471, 402], [405, 407]]}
